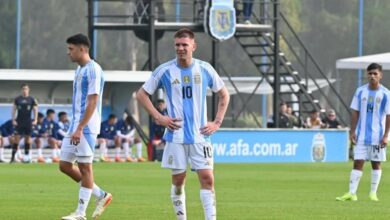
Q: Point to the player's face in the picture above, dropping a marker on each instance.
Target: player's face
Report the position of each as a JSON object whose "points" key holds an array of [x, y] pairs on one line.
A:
{"points": [[74, 52], [184, 47], [161, 106], [25, 90], [64, 118], [112, 121], [374, 76]]}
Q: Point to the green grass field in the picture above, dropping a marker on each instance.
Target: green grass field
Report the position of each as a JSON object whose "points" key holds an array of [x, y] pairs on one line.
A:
{"points": [[244, 191]]}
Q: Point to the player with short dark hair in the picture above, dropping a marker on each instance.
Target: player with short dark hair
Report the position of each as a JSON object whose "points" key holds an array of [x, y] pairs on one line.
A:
{"points": [[107, 136], [21, 119], [63, 126], [7, 138]]}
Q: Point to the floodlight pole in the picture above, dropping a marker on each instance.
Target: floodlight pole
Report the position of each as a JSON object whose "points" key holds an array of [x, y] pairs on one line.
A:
{"points": [[91, 27], [360, 38], [152, 36], [276, 65], [214, 63]]}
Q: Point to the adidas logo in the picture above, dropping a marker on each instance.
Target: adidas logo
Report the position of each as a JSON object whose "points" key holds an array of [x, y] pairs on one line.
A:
{"points": [[176, 81]]}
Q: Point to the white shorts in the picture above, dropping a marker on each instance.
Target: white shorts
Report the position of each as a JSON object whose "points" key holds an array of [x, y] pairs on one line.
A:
{"points": [[82, 153], [176, 156], [369, 152]]}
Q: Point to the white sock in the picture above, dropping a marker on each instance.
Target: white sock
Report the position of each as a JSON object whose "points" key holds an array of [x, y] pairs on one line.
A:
{"points": [[139, 150], [208, 201], [54, 153], [178, 198], [103, 149], [58, 151], [354, 180], [19, 153], [84, 197], [39, 152], [96, 191], [126, 148], [375, 179], [2, 153], [118, 152]]}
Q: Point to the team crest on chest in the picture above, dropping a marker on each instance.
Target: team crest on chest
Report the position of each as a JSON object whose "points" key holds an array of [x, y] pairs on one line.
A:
{"points": [[378, 100], [370, 99], [186, 79], [197, 78]]}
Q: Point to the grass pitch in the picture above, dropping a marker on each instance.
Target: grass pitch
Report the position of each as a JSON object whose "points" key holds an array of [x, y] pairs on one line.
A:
{"points": [[244, 191]]}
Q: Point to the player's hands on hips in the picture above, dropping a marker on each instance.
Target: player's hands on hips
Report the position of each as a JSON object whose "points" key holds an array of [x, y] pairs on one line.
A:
{"points": [[353, 137], [168, 122], [75, 137], [209, 128]]}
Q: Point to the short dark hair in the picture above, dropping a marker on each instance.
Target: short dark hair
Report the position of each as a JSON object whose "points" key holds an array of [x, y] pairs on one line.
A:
{"points": [[60, 114], [184, 32], [40, 115], [111, 116], [50, 111], [23, 85], [374, 66], [79, 39]]}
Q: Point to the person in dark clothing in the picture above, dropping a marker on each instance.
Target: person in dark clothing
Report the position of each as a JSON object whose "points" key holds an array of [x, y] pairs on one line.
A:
{"points": [[331, 121], [157, 132], [22, 120], [284, 119]]}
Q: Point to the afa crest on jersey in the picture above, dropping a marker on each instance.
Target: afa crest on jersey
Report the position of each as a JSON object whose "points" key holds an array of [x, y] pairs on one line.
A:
{"points": [[220, 21]]}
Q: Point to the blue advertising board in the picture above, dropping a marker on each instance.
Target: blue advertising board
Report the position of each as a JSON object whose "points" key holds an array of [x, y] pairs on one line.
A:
{"points": [[280, 145]]}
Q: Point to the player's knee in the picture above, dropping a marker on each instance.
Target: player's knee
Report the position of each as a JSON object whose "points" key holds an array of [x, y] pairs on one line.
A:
{"points": [[64, 167]]}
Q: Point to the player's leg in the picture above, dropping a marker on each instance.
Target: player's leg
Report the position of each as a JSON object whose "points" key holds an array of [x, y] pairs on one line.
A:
{"points": [[27, 147], [118, 144], [38, 145], [15, 147], [1, 149], [201, 156], [175, 158], [376, 155], [52, 142], [126, 147], [360, 155], [138, 144]]}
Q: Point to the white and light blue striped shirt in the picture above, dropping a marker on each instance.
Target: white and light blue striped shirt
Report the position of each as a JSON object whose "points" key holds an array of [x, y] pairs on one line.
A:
{"points": [[88, 80], [185, 95], [373, 106]]}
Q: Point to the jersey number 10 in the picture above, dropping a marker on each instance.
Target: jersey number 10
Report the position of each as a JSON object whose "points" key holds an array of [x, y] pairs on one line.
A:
{"points": [[187, 92]]}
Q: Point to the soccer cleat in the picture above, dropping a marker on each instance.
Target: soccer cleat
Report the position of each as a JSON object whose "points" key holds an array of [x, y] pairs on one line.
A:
{"points": [[141, 159], [41, 159], [347, 197], [101, 205], [105, 159], [55, 159], [74, 216], [118, 159], [130, 159], [373, 197]]}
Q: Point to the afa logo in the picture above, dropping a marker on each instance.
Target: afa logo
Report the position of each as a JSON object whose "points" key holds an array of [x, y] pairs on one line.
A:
{"points": [[220, 21], [318, 148]]}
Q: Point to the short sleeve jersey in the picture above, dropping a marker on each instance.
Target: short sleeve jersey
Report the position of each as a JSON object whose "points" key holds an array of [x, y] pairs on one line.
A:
{"points": [[107, 131], [124, 127], [373, 106], [185, 95], [88, 80], [24, 106]]}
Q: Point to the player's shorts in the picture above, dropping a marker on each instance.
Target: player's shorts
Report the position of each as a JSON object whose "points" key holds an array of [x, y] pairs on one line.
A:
{"points": [[110, 143], [82, 153], [369, 152], [6, 142], [177, 156], [23, 130]]}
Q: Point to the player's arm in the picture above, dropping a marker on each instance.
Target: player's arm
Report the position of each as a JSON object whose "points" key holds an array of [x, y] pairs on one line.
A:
{"points": [[166, 121], [386, 134], [223, 102], [35, 112], [14, 114], [354, 120]]}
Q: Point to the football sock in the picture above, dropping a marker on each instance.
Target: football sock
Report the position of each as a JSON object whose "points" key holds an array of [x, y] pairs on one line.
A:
{"points": [[103, 149], [2, 153], [354, 180], [84, 197], [139, 149], [58, 151], [117, 152], [208, 201], [14, 149], [126, 148], [178, 198], [375, 179], [39, 152], [97, 191], [26, 149]]}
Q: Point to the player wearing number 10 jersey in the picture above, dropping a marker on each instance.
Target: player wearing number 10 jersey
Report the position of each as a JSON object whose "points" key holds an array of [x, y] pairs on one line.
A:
{"points": [[185, 81]]}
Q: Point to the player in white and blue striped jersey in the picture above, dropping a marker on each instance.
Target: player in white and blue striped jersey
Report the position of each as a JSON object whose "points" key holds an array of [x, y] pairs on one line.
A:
{"points": [[79, 142], [369, 131], [185, 81]]}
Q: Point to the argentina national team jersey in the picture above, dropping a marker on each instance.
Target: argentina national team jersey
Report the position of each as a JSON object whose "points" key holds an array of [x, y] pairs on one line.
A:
{"points": [[88, 80], [185, 92], [373, 106]]}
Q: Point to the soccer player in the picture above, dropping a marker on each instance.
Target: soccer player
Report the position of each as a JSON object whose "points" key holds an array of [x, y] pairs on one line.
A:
{"points": [[21, 119], [369, 131], [63, 127], [185, 81], [7, 138], [125, 131], [47, 136], [38, 133], [79, 143], [107, 136]]}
